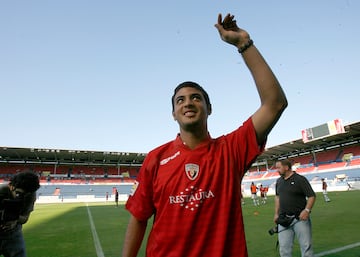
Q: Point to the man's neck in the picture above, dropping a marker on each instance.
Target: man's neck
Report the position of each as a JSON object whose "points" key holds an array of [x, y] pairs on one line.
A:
{"points": [[192, 140], [288, 174]]}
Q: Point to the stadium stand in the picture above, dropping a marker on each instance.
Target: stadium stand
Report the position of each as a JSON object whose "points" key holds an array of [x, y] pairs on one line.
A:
{"points": [[79, 166], [355, 162]]}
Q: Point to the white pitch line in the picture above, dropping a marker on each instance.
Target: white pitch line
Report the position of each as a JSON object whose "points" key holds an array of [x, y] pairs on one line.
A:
{"points": [[340, 249], [99, 251]]}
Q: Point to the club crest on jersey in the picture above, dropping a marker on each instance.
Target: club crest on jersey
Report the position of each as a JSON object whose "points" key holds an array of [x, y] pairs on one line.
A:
{"points": [[192, 171]]}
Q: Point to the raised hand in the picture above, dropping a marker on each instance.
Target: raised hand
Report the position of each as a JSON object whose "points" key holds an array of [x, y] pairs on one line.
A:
{"points": [[230, 32]]}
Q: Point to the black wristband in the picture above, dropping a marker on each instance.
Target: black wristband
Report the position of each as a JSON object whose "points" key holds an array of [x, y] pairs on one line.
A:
{"points": [[246, 46]]}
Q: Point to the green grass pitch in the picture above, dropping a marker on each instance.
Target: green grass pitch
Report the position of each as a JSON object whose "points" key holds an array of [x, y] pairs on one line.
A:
{"points": [[64, 230]]}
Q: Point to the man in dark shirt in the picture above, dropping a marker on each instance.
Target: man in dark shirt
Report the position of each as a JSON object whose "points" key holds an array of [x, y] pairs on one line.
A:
{"points": [[294, 200], [16, 203]]}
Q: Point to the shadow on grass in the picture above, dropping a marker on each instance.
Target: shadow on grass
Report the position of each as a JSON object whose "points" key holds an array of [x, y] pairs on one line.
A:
{"points": [[63, 230]]}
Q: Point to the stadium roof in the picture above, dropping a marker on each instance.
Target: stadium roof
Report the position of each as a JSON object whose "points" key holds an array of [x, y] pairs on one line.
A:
{"points": [[290, 149], [69, 157], [297, 147]]}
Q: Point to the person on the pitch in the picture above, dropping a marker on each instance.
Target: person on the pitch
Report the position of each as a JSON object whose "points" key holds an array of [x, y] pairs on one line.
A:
{"points": [[192, 185], [16, 203]]}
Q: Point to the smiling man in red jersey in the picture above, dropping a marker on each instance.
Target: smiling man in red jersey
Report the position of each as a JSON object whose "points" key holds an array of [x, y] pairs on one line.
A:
{"points": [[191, 186]]}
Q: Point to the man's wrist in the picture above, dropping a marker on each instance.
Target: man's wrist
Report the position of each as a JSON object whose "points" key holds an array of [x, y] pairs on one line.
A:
{"points": [[307, 210], [244, 47]]}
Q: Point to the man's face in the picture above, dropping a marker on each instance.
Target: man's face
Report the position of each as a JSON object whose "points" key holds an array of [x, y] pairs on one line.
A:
{"points": [[190, 109], [281, 169]]}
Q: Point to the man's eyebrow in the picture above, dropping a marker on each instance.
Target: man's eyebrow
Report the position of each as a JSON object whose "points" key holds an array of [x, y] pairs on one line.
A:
{"points": [[198, 94], [178, 97], [192, 94]]}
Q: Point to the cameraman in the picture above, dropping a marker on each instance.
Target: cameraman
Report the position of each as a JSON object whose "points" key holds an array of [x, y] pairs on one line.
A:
{"points": [[293, 202], [16, 203]]}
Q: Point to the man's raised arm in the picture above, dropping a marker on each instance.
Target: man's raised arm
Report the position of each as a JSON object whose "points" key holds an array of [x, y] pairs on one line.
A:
{"points": [[272, 97]]}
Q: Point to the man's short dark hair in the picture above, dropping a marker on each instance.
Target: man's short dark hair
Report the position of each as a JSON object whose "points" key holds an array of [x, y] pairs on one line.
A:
{"points": [[286, 162], [193, 85], [26, 180]]}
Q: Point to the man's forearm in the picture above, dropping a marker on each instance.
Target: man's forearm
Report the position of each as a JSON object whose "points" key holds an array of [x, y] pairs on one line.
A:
{"points": [[310, 203], [277, 205], [134, 236], [272, 97]]}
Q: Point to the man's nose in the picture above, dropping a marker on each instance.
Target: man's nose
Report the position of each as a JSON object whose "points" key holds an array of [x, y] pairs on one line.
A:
{"points": [[188, 101]]}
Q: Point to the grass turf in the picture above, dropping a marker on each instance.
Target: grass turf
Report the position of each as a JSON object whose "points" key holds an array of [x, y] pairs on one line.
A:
{"points": [[63, 230]]}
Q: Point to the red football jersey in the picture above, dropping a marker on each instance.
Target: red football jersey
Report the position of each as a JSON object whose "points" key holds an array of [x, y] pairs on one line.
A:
{"points": [[195, 195]]}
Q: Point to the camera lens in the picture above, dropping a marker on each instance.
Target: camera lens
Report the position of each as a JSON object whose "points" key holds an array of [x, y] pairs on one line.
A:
{"points": [[273, 230]]}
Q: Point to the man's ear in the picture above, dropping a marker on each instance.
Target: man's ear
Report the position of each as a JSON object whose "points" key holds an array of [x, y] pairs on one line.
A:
{"points": [[173, 114]]}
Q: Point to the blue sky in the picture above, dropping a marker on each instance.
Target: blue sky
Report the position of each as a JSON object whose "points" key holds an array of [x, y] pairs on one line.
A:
{"points": [[99, 75]]}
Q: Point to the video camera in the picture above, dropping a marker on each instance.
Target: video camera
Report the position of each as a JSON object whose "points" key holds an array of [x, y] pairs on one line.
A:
{"points": [[273, 230], [284, 220], [10, 209]]}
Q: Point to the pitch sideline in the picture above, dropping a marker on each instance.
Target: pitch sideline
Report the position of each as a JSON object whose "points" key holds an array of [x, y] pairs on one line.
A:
{"points": [[99, 251], [336, 250]]}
